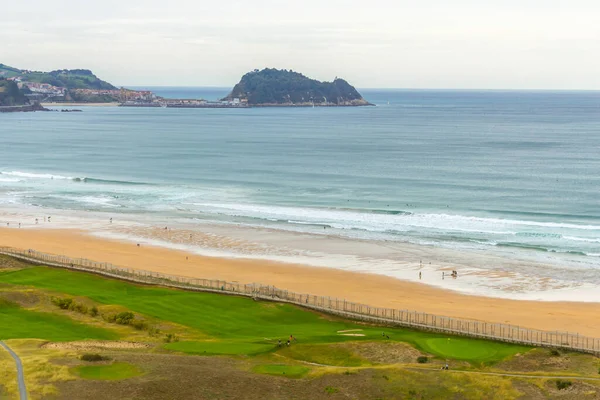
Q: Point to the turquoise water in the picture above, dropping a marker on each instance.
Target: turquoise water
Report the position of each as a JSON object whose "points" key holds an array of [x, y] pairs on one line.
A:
{"points": [[461, 169]]}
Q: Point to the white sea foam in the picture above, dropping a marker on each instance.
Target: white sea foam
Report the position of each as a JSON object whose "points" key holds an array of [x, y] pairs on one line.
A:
{"points": [[33, 175], [100, 200], [386, 222], [580, 239]]}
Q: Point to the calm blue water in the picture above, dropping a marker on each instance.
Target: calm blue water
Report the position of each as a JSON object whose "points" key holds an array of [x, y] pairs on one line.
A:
{"points": [[458, 169]]}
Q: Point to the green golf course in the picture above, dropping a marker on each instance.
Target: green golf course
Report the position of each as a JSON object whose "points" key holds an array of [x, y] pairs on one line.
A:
{"points": [[238, 325], [142, 333]]}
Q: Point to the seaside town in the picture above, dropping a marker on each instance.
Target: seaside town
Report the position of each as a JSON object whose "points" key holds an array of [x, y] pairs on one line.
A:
{"points": [[45, 92]]}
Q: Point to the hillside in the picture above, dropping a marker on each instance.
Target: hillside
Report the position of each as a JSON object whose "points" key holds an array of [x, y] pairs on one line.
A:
{"points": [[10, 94], [273, 87], [8, 72], [70, 79]]}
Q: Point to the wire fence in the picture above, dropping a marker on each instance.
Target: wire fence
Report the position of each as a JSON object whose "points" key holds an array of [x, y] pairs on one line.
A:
{"points": [[342, 307]]}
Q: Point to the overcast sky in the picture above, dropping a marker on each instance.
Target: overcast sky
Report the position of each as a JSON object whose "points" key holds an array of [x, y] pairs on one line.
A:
{"points": [[504, 44]]}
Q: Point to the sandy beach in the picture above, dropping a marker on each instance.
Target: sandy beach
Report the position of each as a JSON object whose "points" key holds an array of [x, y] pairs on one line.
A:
{"points": [[370, 289]]}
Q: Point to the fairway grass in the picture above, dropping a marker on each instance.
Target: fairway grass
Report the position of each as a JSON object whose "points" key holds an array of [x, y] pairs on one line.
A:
{"points": [[234, 325], [466, 349], [18, 323], [112, 372]]}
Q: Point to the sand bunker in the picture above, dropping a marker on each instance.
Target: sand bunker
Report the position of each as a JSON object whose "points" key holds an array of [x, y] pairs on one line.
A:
{"points": [[350, 330], [352, 334], [96, 344]]}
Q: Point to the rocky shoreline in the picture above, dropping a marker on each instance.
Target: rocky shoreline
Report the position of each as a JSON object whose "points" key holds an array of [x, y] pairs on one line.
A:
{"points": [[23, 108], [346, 104]]}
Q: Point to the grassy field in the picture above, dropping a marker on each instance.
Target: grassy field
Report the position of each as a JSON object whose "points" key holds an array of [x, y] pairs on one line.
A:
{"points": [[237, 341], [111, 372], [290, 371], [239, 325], [18, 323]]}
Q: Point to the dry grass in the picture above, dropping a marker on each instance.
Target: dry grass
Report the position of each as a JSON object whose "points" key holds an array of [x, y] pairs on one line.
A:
{"points": [[40, 372], [543, 362], [8, 375], [383, 352], [12, 263]]}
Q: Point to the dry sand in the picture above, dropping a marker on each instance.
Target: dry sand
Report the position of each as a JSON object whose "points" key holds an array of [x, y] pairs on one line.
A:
{"points": [[369, 289]]}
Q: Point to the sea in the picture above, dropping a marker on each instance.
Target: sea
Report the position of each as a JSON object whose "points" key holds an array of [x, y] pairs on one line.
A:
{"points": [[508, 175]]}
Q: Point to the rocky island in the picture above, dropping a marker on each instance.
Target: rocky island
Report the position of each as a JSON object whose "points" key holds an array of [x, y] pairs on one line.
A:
{"points": [[280, 88]]}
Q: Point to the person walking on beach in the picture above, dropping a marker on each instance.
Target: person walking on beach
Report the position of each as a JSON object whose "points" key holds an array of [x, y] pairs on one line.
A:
{"points": [[419, 274]]}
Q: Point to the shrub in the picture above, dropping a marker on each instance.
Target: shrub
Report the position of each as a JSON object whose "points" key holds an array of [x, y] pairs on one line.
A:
{"points": [[63, 304], [80, 308], [93, 311], [139, 325], [169, 337], [70, 304], [554, 353], [92, 357], [561, 385], [124, 318], [111, 318], [153, 330], [422, 359]]}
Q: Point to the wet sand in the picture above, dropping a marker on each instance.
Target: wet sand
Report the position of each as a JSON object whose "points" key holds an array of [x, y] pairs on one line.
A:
{"points": [[369, 289]]}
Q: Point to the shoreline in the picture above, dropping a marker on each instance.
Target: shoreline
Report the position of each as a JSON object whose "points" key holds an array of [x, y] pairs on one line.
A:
{"points": [[76, 104], [367, 288], [482, 273]]}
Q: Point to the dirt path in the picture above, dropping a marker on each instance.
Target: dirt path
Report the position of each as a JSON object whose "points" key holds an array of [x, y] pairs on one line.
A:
{"points": [[20, 376]]}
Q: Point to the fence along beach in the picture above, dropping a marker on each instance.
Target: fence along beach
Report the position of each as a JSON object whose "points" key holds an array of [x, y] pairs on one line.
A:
{"points": [[336, 306], [359, 287]]}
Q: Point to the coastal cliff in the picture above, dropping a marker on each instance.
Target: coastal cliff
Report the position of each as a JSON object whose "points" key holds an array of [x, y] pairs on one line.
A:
{"points": [[11, 95], [279, 88], [13, 99]]}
